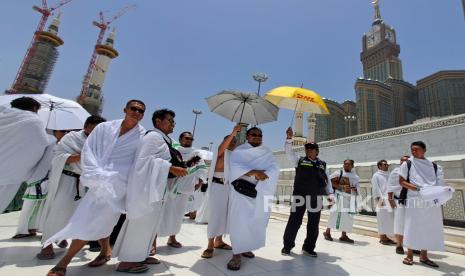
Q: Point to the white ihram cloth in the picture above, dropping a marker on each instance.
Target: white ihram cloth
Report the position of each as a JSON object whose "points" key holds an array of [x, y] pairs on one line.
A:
{"points": [[60, 204], [197, 198], [177, 194], [217, 201], [147, 183], [248, 217], [106, 160], [22, 144], [33, 202], [399, 212], [423, 221], [384, 213], [341, 213]]}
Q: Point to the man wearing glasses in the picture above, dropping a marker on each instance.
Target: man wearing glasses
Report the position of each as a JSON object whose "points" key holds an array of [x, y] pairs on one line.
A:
{"points": [[384, 214], [106, 159], [253, 174]]}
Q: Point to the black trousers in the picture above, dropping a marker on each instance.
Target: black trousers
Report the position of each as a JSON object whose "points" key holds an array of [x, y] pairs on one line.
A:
{"points": [[298, 209]]}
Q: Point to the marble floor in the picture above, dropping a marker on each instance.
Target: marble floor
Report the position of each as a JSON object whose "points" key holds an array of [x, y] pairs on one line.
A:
{"points": [[365, 257]]}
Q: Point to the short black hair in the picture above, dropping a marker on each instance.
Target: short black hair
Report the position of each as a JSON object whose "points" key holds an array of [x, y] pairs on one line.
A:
{"points": [[311, 145], [134, 101], [25, 103], [253, 128], [350, 160], [161, 114], [421, 144], [381, 162], [184, 133], [94, 120]]}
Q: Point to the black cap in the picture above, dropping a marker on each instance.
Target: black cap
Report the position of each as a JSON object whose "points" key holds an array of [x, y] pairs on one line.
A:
{"points": [[311, 145]]}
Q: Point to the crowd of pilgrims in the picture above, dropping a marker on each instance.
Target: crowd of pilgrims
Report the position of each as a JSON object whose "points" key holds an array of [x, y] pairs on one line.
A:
{"points": [[118, 187]]}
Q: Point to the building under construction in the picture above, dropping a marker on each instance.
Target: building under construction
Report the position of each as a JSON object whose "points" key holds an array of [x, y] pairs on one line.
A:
{"points": [[37, 67]]}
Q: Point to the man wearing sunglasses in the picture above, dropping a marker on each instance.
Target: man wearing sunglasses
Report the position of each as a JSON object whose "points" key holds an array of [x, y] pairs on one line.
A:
{"points": [[106, 160], [253, 173], [384, 215]]}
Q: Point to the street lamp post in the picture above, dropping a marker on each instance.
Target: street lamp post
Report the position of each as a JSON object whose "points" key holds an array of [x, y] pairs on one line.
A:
{"points": [[260, 77], [349, 119], [197, 112]]}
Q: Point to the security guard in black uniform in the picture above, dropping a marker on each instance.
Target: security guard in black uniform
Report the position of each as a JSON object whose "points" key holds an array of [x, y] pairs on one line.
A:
{"points": [[310, 185]]}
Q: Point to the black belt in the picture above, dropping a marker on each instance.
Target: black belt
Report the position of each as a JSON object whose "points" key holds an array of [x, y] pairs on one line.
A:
{"points": [[38, 187], [75, 175], [218, 180]]}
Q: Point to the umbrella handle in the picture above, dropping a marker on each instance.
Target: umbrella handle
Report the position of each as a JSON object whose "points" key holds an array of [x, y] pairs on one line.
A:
{"points": [[295, 108], [242, 112]]}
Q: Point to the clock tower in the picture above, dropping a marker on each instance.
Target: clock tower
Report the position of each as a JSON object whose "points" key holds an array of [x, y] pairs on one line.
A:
{"points": [[380, 51]]}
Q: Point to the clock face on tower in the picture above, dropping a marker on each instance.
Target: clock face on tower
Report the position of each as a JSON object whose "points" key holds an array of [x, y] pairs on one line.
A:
{"points": [[390, 36]]}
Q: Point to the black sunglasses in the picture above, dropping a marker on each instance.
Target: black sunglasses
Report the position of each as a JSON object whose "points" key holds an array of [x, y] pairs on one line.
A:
{"points": [[135, 109], [256, 135]]}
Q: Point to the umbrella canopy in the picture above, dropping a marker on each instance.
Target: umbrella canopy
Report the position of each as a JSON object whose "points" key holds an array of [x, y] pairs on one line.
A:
{"points": [[241, 107], [297, 99], [56, 113]]}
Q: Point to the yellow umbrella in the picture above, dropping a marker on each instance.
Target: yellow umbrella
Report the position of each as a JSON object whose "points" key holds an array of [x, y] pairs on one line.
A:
{"points": [[297, 99]]}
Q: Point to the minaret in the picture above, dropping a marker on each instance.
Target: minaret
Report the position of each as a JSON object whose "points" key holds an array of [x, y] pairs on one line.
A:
{"points": [[298, 138], [311, 124], [377, 18], [39, 67], [93, 101]]}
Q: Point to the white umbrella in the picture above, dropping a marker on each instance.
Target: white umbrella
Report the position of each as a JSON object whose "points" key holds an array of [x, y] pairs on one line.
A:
{"points": [[241, 107], [56, 113]]}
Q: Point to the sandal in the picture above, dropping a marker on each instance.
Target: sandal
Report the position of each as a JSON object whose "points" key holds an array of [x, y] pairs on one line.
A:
{"points": [[207, 253], [407, 261], [20, 236], [57, 271], [175, 244], [99, 261], [234, 264], [249, 255], [346, 239], [429, 263], [224, 246], [327, 236], [138, 268], [45, 256], [150, 261]]}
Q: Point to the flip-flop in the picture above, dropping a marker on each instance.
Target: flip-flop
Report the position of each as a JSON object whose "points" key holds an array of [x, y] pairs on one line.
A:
{"points": [[151, 261], [249, 255], [45, 256], [407, 261], [175, 244], [234, 264], [20, 236], [429, 263], [207, 253], [224, 246], [99, 261], [57, 271], [138, 268]]}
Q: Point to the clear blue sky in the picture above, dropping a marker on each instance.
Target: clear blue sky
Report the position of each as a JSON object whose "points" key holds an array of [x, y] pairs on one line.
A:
{"points": [[174, 53]]}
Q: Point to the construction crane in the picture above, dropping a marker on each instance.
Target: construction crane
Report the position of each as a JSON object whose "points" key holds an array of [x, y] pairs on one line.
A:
{"points": [[46, 12], [103, 26]]}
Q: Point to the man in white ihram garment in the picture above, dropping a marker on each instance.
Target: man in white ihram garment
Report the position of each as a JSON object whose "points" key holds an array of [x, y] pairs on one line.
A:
{"points": [[346, 185], [64, 189], [384, 215], [22, 144], [394, 189], [35, 194], [253, 173], [146, 188], [423, 222], [106, 160], [178, 192], [218, 197]]}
